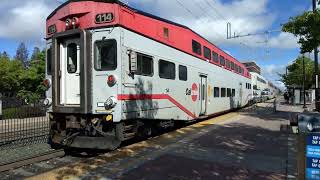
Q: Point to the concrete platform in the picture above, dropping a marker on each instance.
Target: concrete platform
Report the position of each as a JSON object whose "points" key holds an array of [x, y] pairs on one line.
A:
{"points": [[242, 145]]}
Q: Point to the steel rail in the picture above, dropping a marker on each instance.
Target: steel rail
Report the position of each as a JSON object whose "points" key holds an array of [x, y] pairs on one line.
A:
{"points": [[31, 160]]}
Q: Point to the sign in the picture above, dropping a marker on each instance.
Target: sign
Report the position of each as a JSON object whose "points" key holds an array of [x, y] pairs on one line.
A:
{"points": [[194, 92], [52, 29], [313, 157], [104, 18]]}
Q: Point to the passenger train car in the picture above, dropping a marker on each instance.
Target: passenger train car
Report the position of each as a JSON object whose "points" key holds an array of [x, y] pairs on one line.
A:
{"points": [[114, 73]]}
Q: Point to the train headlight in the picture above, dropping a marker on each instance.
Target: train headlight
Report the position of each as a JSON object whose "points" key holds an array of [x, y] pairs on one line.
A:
{"points": [[47, 102], [68, 23], [47, 83], [110, 103], [75, 22]]}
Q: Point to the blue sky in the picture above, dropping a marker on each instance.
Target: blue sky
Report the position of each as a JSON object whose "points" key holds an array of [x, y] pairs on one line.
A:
{"points": [[25, 21]]}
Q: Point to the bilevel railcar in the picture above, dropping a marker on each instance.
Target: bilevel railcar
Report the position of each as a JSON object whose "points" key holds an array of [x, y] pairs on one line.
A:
{"points": [[114, 73]]}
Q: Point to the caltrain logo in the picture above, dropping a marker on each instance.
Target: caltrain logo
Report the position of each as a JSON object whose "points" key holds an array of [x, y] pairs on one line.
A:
{"points": [[194, 92]]}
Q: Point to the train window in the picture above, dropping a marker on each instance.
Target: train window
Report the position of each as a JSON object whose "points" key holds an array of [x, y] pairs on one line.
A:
{"points": [[223, 92], [72, 58], [49, 60], [222, 61], [232, 65], [216, 92], [144, 65], [228, 63], [246, 85], [215, 57], [207, 53], [196, 47], [183, 73], [167, 70], [237, 68], [233, 93], [228, 92], [105, 55]]}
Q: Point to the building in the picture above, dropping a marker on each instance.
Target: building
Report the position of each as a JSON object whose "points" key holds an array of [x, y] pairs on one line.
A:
{"points": [[252, 67]]}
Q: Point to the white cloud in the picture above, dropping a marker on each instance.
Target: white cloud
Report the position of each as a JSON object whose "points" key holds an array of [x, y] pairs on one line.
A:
{"points": [[270, 72], [25, 20], [284, 40]]}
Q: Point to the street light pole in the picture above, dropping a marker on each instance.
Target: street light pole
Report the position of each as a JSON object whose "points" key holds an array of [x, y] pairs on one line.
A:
{"points": [[316, 67], [303, 82]]}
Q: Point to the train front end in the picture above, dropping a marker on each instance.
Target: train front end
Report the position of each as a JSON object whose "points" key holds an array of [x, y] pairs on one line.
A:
{"points": [[82, 75]]}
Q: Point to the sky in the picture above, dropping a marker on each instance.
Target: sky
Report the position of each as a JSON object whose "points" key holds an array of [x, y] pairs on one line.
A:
{"points": [[24, 21]]}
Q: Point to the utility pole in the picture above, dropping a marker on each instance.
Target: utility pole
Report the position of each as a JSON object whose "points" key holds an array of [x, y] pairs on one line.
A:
{"points": [[316, 67], [303, 83]]}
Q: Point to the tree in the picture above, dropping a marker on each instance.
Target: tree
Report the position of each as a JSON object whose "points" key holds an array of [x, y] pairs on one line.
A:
{"points": [[22, 54], [10, 72], [4, 55], [295, 73], [31, 88], [35, 53], [306, 28]]}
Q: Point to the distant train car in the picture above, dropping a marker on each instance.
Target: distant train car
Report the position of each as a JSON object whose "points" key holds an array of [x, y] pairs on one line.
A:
{"points": [[114, 73]]}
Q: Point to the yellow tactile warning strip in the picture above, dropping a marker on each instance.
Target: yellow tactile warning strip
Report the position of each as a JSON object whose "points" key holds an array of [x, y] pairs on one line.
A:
{"points": [[142, 151]]}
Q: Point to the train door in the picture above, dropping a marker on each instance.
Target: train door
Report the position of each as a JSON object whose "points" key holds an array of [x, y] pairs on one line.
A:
{"points": [[240, 95], [203, 94], [70, 72]]}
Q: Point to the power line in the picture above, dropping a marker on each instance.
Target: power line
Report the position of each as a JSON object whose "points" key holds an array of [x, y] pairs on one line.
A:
{"points": [[196, 16], [208, 15], [187, 9], [216, 10]]}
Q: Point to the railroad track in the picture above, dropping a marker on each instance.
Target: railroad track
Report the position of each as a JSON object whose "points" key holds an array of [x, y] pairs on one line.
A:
{"points": [[31, 160]]}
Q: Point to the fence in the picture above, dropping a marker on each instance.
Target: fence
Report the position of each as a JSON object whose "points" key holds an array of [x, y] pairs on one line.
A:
{"points": [[22, 125]]}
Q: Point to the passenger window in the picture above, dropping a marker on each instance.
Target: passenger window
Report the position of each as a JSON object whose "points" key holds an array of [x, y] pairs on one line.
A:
{"points": [[222, 61], [105, 55], [228, 92], [207, 53], [196, 47], [223, 92], [49, 60], [215, 57], [233, 93], [72, 58], [167, 70], [228, 63], [232, 65], [144, 65], [237, 68], [216, 92], [183, 73]]}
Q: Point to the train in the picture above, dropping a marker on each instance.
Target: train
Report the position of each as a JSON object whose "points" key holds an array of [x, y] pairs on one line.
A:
{"points": [[262, 89], [114, 73]]}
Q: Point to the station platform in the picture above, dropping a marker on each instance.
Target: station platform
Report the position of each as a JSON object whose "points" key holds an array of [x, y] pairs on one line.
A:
{"points": [[249, 144]]}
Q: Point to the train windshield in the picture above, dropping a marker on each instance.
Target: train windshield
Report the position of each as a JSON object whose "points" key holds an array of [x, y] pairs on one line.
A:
{"points": [[105, 55]]}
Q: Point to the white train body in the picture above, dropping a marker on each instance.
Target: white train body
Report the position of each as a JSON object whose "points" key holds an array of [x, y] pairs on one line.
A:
{"points": [[107, 80]]}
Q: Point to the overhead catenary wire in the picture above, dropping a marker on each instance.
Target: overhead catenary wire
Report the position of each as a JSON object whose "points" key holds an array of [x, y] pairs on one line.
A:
{"points": [[209, 16], [215, 10]]}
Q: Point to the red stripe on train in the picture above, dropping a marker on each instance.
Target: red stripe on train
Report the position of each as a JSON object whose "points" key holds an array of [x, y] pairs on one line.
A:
{"points": [[123, 97]]}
